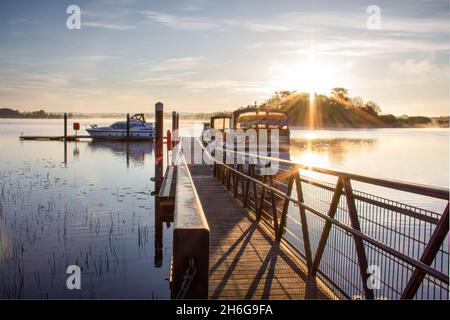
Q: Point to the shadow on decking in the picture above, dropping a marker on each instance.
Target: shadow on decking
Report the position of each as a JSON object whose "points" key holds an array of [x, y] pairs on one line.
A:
{"points": [[245, 261]]}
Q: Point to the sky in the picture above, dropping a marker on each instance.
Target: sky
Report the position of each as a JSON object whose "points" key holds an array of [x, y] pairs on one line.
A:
{"points": [[206, 56]]}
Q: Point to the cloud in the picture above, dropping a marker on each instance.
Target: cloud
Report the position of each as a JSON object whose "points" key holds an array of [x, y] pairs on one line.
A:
{"points": [[176, 64], [357, 21], [202, 23], [413, 67], [256, 26], [181, 23], [101, 25]]}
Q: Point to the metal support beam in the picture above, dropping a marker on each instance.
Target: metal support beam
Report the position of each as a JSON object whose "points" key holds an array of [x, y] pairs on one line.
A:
{"points": [[428, 255]]}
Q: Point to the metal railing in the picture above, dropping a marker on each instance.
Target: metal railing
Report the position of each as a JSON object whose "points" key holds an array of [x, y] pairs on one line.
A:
{"points": [[358, 244]]}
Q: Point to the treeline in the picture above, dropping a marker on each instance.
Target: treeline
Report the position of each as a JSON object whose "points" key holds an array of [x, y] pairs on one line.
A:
{"points": [[41, 114], [339, 110]]}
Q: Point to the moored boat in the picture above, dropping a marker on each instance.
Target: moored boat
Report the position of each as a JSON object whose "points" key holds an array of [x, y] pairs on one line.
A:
{"points": [[138, 130]]}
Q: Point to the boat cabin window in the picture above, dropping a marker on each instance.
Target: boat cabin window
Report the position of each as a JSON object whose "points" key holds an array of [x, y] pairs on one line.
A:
{"points": [[122, 125], [119, 125], [221, 123]]}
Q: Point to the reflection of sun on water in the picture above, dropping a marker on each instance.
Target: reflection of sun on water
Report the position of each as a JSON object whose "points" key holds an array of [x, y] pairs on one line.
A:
{"points": [[311, 159], [311, 135]]}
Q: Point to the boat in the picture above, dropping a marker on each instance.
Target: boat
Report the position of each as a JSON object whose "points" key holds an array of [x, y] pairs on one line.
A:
{"points": [[239, 123], [138, 130], [250, 118]]}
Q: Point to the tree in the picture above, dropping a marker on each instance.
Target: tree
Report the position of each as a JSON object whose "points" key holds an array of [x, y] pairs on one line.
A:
{"points": [[372, 108], [388, 118], [340, 93], [357, 102]]}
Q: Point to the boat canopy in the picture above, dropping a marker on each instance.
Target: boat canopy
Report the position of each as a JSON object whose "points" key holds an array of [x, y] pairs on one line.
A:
{"points": [[277, 120], [255, 117]]}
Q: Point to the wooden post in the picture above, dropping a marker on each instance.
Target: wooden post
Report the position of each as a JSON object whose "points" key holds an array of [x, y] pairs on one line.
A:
{"points": [[128, 126], [65, 139], [159, 129], [178, 124], [65, 127], [174, 128]]}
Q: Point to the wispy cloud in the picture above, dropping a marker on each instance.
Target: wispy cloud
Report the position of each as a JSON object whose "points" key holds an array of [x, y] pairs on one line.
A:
{"points": [[101, 25], [203, 23], [412, 67], [180, 22]]}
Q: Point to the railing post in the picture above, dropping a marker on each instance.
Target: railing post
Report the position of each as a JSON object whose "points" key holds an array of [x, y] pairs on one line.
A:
{"points": [[428, 255], [274, 206], [327, 227], [282, 225], [303, 219], [359, 243]]}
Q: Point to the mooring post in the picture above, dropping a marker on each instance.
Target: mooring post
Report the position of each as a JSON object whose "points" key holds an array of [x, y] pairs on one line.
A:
{"points": [[174, 128], [159, 163], [159, 128], [128, 126], [178, 124], [65, 127]]}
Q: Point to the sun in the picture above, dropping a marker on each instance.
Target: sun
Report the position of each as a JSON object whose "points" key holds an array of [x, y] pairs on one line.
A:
{"points": [[309, 76]]}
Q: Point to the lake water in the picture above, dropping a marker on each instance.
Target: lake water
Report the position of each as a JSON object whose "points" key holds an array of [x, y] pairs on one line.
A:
{"points": [[91, 205]]}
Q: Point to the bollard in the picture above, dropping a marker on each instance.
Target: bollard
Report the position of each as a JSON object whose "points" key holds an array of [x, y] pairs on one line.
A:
{"points": [[169, 140]]}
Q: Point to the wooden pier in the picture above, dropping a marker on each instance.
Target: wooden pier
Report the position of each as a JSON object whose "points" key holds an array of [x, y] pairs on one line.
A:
{"points": [[245, 260], [236, 223]]}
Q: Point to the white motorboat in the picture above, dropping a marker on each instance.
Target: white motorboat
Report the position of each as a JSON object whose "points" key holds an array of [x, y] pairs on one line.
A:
{"points": [[139, 130]]}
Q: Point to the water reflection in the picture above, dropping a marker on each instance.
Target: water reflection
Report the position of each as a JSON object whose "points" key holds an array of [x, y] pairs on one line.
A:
{"points": [[134, 151], [322, 152]]}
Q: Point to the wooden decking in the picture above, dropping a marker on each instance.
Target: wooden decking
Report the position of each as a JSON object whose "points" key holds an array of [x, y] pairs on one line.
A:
{"points": [[245, 262]]}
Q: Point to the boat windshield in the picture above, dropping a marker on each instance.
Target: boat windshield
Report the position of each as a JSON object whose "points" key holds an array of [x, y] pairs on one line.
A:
{"points": [[122, 125], [119, 125]]}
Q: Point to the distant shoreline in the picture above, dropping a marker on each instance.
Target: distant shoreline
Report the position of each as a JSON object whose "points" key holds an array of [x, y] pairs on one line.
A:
{"points": [[431, 122]]}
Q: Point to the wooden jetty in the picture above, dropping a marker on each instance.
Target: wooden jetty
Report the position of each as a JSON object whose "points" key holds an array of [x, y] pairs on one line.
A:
{"points": [[235, 235], [55, 138], [245, 260]]}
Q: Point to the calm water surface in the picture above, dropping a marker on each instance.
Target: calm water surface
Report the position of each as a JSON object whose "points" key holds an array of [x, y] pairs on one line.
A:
{"points": [[95, 209]]}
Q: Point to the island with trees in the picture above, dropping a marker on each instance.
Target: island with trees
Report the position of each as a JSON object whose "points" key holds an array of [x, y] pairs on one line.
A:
{"points": [[339, 110]]}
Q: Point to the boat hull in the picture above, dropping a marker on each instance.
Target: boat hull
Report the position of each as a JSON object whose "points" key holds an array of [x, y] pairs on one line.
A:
{"points": [[121, 134]]}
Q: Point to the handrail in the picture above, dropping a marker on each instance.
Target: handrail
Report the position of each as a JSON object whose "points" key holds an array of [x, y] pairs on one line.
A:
{"points": [[421, 189], [190, 239]]}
